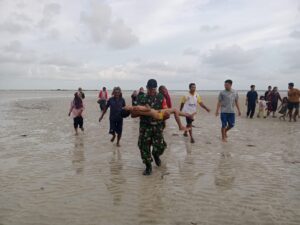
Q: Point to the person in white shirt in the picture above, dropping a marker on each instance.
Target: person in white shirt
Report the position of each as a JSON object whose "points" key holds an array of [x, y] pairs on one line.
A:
{"points": [[189, 104], [262, 107]]}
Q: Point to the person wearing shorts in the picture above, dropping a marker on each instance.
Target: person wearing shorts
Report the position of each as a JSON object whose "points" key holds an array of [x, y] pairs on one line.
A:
{"points": [[188, 105], [227, 99], [293, 102]]}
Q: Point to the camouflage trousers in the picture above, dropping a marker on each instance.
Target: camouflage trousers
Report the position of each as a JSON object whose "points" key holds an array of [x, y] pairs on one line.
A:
{"points": [[151, 136]]}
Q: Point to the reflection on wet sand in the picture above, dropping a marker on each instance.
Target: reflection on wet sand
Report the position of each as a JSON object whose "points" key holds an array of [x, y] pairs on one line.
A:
{"points": [[78, 155], [49, 176]]}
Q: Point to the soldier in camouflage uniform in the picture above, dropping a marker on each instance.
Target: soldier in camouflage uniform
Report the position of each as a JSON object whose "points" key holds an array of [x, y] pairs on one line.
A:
{"points": [[151, 130]]}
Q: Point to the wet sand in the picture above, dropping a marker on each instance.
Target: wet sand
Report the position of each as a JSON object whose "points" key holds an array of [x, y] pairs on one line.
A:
{"points": [[49, 176]]}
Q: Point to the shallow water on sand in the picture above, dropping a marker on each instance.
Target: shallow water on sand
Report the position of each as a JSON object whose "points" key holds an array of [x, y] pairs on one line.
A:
{"points": [[50, 176]]}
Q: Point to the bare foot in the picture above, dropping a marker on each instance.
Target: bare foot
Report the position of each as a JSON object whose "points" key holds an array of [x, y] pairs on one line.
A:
{"points": [[82, 129], [118, 145], [224, 140], [76, 133], [185, 129], [192, 140], [113, 138], [185, 134]]}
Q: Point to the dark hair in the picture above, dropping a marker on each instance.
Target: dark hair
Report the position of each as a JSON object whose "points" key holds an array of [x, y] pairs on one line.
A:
{"points": [[291, 84], [269, 86], [117, 89], [261, 97], [77, 101], [252, 86], [125, 113], [228, 81], [191, 84], [104, 88]]}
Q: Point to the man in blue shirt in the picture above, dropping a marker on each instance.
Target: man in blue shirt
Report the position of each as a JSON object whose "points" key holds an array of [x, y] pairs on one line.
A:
{"points": [[251, 100]]}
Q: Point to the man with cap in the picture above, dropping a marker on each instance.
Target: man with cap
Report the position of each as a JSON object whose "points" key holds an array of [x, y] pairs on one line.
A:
{"points": [[151, 130], [293, 101]]}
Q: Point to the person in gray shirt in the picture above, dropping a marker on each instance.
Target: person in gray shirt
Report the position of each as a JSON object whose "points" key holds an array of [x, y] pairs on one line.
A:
{"points": [[227, 99]]}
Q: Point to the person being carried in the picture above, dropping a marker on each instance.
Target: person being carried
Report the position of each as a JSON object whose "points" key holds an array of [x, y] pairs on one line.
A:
{"points": [[76, 110], [162, 114]]}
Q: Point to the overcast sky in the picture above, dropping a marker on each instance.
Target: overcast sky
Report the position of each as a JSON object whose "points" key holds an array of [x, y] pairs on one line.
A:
{"points": [[67, 43]]}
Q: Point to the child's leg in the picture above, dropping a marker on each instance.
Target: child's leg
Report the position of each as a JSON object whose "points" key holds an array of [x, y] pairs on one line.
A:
{"points": [[177, 113]]}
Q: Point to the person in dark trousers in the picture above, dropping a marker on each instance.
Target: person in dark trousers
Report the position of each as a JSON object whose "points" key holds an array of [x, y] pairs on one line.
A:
{"points": [[116, 103], [251, 100]]}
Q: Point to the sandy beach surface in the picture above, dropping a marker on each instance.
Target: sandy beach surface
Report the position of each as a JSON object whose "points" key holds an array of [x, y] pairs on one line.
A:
{"points": [[49, 176]]}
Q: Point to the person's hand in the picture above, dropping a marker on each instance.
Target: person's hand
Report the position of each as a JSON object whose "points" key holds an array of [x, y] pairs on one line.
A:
{"points": [[69, 114], [208, 110], [217, 113], [100, 119], [239, 113]]}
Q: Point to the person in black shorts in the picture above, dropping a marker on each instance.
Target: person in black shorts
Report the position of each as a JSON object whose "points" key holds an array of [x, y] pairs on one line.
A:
{"points": [[115, 103]]}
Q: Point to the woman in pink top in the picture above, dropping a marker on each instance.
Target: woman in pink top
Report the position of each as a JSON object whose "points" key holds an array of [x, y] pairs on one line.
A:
{"points": [[76, 109]]}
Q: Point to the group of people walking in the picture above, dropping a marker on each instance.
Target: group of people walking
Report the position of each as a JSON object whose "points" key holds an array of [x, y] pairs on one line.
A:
{"points": [[154, 107], [268, 103]]}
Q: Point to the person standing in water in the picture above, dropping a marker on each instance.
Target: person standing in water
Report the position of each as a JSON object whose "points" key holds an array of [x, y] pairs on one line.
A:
{"points": [[102, 98], [227, 99], [76, 109], [251, 100], [115, 103], [188, 105]]}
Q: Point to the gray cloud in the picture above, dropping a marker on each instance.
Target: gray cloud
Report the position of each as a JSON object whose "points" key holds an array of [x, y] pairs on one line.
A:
{"points": [[295, 34], [14, 46], [208, 28], [103, 28], [50, 11], [229, 56], [191, 51], [13, 27], [121, 36]]}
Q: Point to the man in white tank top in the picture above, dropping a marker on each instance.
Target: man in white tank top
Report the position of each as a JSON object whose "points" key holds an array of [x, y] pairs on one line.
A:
{"points": [[189, 105]]}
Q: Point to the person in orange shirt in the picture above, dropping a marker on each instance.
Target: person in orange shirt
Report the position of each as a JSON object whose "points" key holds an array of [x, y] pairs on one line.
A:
{"points": [[293, 101]]}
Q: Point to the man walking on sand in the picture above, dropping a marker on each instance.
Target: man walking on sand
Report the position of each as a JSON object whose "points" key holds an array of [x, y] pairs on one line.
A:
{"points": [[293, 101], [188, 105], [151, 130], [251, 100], [227, 99]]}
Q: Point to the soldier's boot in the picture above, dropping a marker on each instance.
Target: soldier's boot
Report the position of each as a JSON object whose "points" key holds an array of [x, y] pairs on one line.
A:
{"points": [[157, 159], [148, 169]]}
